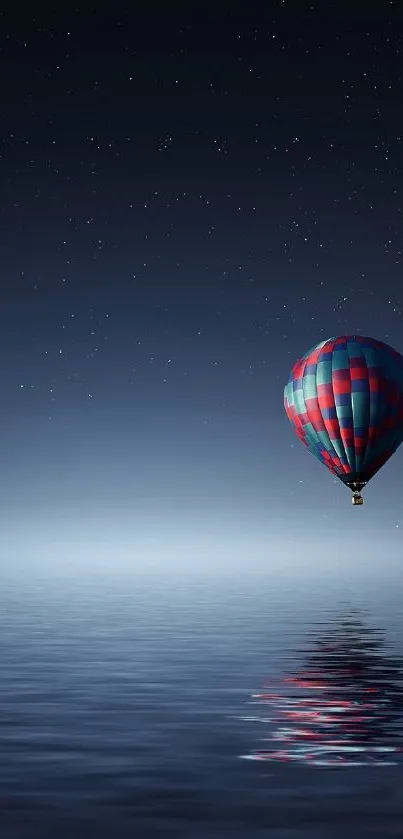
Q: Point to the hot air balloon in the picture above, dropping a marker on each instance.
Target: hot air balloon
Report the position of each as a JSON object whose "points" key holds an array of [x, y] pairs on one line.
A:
{"points": [[345, 401]]}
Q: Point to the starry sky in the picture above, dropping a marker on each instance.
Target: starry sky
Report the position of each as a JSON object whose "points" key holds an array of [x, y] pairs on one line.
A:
{"points": [[189, 201]]}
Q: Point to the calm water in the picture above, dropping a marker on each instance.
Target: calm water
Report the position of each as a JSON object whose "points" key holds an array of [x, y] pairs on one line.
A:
{"points": [[125, 710]]}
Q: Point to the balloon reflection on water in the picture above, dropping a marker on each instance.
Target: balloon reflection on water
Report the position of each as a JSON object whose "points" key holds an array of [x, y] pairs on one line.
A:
{"points": [[343, 708]]}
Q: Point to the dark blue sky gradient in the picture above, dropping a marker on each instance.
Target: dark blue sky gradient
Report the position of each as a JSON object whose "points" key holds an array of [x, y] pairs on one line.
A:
{"points": [[188, 203]]}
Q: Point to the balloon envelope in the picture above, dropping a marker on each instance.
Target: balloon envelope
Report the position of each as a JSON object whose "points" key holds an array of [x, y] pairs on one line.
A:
{"points": [[345, 400]]}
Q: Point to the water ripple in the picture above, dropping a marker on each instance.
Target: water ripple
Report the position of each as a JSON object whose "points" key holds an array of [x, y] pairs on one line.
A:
{"points": [[122, 712]]}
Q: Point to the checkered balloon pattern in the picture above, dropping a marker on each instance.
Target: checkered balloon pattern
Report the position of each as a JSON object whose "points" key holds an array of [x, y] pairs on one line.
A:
{"points": [[345, 401]]}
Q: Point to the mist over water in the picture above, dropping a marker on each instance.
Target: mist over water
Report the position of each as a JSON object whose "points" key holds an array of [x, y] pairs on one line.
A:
{"points": [[125, 704]]}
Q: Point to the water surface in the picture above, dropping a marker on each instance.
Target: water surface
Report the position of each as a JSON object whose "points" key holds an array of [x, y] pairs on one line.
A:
{"points": [[125, 710]]}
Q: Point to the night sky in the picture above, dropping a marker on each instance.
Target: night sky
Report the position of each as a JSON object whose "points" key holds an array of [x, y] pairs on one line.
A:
{"points": [[189, 201]]}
